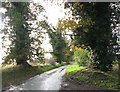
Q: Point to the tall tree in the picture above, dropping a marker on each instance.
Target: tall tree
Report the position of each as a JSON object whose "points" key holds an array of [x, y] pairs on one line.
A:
{"points": [[19, 29], [58, 43], [61, 49], [115, 27], [97, 34]]}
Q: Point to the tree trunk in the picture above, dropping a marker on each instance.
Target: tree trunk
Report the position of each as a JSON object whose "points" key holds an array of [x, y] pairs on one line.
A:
{"points": [[118, 58], [119, 75], [24, 63]]}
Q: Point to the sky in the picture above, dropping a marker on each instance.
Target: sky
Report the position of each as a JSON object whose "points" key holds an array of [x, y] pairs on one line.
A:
{"points": [[53, 11]]}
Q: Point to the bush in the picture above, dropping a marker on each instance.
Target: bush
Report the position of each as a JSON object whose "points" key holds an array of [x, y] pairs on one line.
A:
{"points": [[81, 56]]}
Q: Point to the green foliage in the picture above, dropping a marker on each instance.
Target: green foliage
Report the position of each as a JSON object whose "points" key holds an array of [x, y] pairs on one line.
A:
{"points": [[19, 28], [72, 69], [92, 77], [95, 30], [81, 56], [58, 44], [60, 47]]}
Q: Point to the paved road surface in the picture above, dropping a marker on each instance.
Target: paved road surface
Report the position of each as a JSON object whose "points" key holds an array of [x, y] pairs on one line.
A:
{"points": [[50, 80]]}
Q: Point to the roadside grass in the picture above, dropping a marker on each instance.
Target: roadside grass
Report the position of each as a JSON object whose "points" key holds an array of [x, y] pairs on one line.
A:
{"points": [[72, 69], [18, 73], [93, 77]]}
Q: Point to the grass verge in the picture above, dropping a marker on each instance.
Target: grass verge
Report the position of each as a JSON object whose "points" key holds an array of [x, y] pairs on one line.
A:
{"points": [[17, 73], [92, 77]]}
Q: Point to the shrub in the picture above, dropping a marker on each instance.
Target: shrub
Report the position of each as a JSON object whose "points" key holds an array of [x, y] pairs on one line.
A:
{"points": [[81, 56]]}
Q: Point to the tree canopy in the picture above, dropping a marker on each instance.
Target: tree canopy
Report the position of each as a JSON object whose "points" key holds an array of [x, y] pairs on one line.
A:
{"points": [[19, 27], [94, 29]]}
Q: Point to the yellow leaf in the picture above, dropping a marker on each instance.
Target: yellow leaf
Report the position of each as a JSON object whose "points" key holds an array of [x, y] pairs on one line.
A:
{"points": [[81, 5]]}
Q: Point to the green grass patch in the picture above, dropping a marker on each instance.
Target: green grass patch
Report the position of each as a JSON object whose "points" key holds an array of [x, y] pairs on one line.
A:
{"points": [[92, 77], [17, 73], [72, 69]]}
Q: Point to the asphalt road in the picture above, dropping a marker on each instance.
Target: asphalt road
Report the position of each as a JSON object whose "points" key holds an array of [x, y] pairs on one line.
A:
{"points": [[50, 80]]}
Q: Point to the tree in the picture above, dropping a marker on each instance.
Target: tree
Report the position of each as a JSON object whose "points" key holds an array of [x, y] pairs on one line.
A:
{"points": [[96, 31], [61, 49], [58, 43], [20, 22], [115, 27]]}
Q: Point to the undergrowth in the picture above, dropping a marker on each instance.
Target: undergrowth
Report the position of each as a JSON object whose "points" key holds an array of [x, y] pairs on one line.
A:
{"points": [[92, 77]]}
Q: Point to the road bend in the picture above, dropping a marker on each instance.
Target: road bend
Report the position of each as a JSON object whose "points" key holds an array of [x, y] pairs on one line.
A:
{"points": [[50, 80]]}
